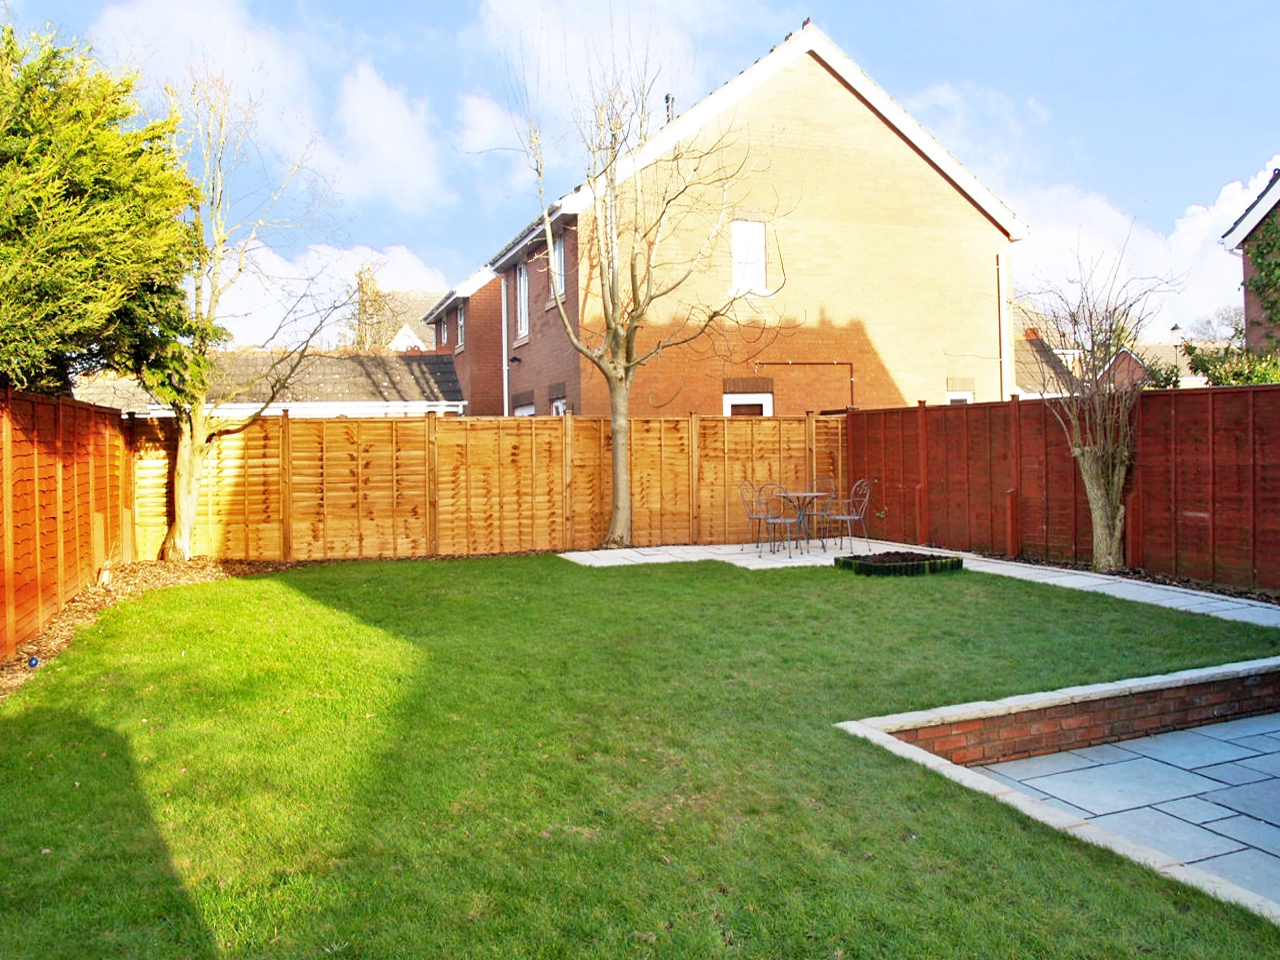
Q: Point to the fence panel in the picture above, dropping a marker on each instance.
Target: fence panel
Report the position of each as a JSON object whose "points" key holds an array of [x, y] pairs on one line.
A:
{"points": [[63, 471], [1205, 484]]}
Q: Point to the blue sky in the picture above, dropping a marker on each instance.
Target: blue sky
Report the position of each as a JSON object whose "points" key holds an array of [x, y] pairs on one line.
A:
{"points": [[1143, 125]]}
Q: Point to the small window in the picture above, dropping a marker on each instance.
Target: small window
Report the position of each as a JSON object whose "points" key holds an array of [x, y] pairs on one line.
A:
{"points": [[747, 237], [557, 263], [522, 301], [959, 396], [747, 405], [559, 407], [462, 324], [524, 410]]}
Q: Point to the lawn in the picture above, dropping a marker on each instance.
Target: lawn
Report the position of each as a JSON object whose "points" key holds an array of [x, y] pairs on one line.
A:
{"points": [[519, 758]]}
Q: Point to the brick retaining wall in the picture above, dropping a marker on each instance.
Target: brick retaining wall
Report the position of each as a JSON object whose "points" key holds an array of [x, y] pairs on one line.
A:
{"points": [[1066, 726]]}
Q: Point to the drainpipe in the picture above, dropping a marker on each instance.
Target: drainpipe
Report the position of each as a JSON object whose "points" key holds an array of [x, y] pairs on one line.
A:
{"points": [[506, 354]]}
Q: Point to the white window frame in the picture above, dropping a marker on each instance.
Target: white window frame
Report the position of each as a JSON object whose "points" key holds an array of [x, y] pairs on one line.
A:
{"points": [[522, 301], [557, 263], [444, 330], [524, 410], [750, 258], [462, 325], [559, 406], [746, 399], [959, 396]]}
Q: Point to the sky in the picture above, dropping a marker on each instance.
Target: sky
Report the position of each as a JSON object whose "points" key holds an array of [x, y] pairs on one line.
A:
{"points": [[1133, 128]]}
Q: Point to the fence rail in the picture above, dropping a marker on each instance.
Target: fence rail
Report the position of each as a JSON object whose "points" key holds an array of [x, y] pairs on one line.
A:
{"points": [[65, 476], [310, 489], [1203, 500]]}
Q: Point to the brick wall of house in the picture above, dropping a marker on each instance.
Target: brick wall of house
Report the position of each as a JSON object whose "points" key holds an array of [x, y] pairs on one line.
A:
{"points": [[479, 360], [1259, 335], [1069, 726], [545, 358]]}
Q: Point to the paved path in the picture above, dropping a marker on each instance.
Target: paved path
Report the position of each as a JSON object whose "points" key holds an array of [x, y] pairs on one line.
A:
{"points": [[1179, 598], [1208, 798]]}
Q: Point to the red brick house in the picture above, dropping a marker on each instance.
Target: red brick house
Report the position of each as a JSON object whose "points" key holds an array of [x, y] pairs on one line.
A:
{"points": [[877, 263], [1259, 335], [467, 324]]}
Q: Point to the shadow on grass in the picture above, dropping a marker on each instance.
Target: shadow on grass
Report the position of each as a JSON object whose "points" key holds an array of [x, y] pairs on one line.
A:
{"points": [[84, 873]]}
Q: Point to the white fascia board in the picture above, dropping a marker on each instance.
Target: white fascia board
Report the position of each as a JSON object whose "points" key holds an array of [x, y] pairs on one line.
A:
{"points": [[329, 410], [1256, 213], [468, 287], [810, 40]]}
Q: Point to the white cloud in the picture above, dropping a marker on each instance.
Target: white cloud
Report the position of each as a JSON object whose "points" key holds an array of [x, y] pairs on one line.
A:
{"points": [[1069, 225], [381, 144], [280, 298], [386, 148], [490, 135]]}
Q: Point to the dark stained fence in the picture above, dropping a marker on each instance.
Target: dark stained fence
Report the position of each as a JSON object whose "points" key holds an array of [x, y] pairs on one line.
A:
{"points": [[1203, 502], [65, 471]]}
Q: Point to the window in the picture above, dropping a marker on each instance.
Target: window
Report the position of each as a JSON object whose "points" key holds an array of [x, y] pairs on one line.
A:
{"points": [[444, 331], [747, 237], [524, 410], [559, 406], [462, 324], [959, 396], [522, 301], [557, 263], [748, 405]]}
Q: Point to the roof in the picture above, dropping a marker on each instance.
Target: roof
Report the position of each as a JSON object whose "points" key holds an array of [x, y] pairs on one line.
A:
{"points": [[1263, 204], [352, 378], [809, 40], [410, 308]]}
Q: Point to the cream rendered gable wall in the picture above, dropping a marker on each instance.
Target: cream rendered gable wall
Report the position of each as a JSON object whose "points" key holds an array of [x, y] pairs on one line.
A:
{"points": [[888, 266]]}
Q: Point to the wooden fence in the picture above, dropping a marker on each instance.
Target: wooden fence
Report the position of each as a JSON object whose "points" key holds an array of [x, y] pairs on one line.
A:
{"points": [[309, 489], [65, 481], [1203, 502]]}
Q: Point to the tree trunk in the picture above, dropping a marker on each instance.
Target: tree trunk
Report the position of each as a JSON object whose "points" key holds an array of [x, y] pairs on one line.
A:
{"points": [[1104, 478], [188, 462], [619, 534]]}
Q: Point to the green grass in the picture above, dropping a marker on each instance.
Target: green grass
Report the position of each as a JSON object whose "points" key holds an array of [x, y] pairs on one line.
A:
{"points": [[522, 758]]}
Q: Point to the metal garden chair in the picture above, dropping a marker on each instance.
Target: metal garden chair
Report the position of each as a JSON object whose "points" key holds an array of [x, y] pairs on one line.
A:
{"points": [[756, 511], [783, 518], [851, 511]]}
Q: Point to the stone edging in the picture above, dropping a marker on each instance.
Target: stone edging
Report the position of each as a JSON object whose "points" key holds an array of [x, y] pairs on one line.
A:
{"points": [[879, 730]]}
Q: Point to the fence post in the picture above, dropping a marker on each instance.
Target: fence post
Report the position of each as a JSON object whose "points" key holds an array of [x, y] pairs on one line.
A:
{"points": [[286, 486], [433, 485], [695, 512], [60, 492], [810, 449], [10, 638], [922, 464], [566, 467], [1013, 519]]}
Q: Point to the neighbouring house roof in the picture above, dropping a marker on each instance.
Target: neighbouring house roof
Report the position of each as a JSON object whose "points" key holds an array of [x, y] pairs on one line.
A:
{"points": [[326, 384], [407, 310], [809, 40], [1038, 370], [1263, 204], [467, 288]]}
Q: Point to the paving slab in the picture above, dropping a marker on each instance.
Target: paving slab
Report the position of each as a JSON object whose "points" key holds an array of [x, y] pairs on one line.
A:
{"points": [[1043, 766], [1254, 832], [1185, 841], [1252, 869], [1258, 800], [1233, 773], [1195, 810], [1188, 749], [1268, 763], [1105, 753], [1124, 786], [1246, 727], [1018, 785], [1260, 742]]}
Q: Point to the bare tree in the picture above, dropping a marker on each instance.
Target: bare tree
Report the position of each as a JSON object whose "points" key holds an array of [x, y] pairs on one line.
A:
{"points": [[656, 220], [1080, 332], [229, 219]]}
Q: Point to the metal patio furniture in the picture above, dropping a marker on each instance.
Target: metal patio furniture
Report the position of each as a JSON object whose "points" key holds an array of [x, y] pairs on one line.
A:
{"points": [[757, 512], [851, 511], [783, 517]]}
